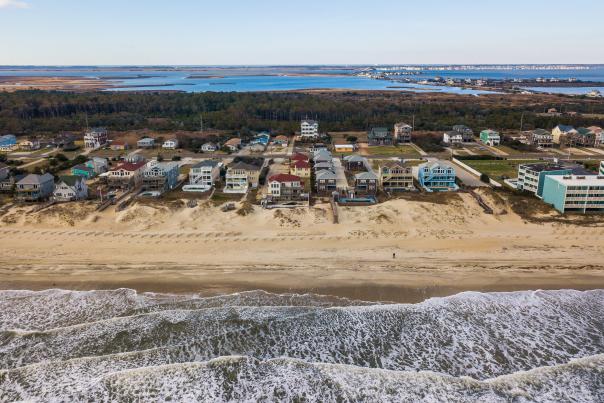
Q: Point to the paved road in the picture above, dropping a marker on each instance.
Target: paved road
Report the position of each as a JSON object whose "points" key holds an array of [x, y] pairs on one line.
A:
{"points": [[466, 177]]}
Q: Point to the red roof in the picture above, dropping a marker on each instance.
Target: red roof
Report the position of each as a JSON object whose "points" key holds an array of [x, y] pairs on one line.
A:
{"points": [[118, 143], [299, 157], [130, 166], [284, 178], [301, 164]]}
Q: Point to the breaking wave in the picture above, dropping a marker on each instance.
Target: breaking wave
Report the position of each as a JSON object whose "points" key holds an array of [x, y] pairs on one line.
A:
{"points": [[120, 345]]}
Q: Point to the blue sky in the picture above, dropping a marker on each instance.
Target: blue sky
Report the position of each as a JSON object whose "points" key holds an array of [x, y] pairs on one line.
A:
{"points": [[66, 32]]}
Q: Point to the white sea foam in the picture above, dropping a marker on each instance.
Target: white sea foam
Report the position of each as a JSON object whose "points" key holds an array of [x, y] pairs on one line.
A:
{"points": [[166, 339]]}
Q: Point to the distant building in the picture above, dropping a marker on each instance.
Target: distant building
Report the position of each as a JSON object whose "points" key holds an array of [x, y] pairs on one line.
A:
{"points": [[209, 148], [309, 130], [280, 141], [365, 183], [541, 138], [599, 134], [8, 143], [134, 157], [160, 176], [490, 137], [84, 171], [203, 176], [233, 144], [29, 145], [380, 136], [467, 134], [119, 145], [532, 176], [344, 148], [452, 138], [146, 142], [285, 187], [575, 193], [95, 138], [436, 177], [98, 164], [35, 187], [70, 188], [402, 132], [171, 144], [561, 133], [395, 177]]}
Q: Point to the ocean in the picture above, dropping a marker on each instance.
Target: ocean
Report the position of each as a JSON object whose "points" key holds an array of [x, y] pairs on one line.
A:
{"points": [[119, 345], [286, 78]]}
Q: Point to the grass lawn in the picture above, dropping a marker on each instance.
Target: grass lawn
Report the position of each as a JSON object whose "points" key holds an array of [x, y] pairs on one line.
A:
{"points": [[496, 169], [508, 150], [392, 151]]}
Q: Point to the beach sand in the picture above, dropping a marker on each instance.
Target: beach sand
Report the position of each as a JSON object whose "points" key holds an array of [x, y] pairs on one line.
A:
{"points": [[441, 248]]}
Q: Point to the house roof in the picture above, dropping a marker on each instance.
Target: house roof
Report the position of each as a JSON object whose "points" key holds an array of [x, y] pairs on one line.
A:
{"points": [[233, 142], [118, 143], [284, 178], [301, 164], [584, 131], [33, 179], [323, 165], [325, 174], [146, 140], [541, 132], [565, 128], [206, 163], [130, 166], [309, 121], [453, 133], [299, 157], [281, 138], [82, 167], [354, 158], [366, 176], [379, 132], [245, 166], [70, 180], [393, 164]]}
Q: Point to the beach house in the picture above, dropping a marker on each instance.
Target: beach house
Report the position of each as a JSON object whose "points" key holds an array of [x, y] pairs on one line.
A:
{"points": [[365, 183], [599, 133], [395, 177], [452, 138], [83, 171], [299, 168], [285, 187], [126, 175], [35, 187], [561, 133], [146, 142], [309, 130], [541, 138], [241, 176], [233, 144], [322, 156], [402, 133], [574, 193], [209, 148], [490, 137], [160, 176], [379, 136], [119, 145], [8, 143], [70, 188], [299, 157], [582, 137], [171, 144], [95, 138], [355, 163], [29, 145], [436, 177], [467, 134], [325, 182], [98, 164], [203, 176], [134, 157], [280, 141]]}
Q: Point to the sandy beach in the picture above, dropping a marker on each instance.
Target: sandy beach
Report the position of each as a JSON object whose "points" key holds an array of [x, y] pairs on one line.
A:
{"points": [[440, 249]]}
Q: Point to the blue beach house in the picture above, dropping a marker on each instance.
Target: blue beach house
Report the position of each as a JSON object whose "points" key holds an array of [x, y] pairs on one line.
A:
{"points": [[435, 177]]}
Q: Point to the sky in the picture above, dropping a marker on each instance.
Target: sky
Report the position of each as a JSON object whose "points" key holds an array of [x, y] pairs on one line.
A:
{"points": [[261, 32]]}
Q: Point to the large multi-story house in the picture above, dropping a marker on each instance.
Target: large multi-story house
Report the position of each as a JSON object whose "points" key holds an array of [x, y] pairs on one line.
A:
{"points": [[365, 183], [95, 138], [326, 182], [203, 176], [467, 134], [29, 144], [171, 144], [160, 176], [146, 142], [126, 175], [355, 163], [452, 138], [241, 176], [532, 176], [309, 130], [577, 193], [300, 168], [380, 136], [582, 138], [561, 133], [402, 132], [322, 156], [490, 137], [70, 188], [395, 177], [599, 133], [35, 187], [541, 138], [436, 177], [8, 143], [285, 187]]}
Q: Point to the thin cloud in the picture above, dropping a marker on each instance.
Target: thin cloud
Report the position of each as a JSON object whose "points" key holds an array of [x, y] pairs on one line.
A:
{"points": [[13, 4]]}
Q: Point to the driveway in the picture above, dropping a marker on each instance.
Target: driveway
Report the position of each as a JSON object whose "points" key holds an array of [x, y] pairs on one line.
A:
{"points": [[341, 182]]}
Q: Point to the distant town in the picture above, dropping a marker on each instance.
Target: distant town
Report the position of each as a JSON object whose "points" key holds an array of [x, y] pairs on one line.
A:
{"points": [[564, 167]]}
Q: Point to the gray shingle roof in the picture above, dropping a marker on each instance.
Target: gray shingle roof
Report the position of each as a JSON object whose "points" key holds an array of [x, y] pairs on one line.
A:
{"points": [[366, 176], [206, 163], [33, 179]]}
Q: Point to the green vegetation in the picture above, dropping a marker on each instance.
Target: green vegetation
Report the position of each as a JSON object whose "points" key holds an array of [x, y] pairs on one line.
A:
{"points": [[497, 169], [392, 151]]}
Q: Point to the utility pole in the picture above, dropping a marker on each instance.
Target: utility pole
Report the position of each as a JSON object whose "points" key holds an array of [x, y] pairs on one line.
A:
{"points": [[413, 122], [201, 123], [86, 117], [521, 121]]}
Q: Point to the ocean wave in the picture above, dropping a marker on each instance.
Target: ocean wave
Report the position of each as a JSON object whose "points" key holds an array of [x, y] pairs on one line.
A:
{"points": [[470, 334], [237, 378]]}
